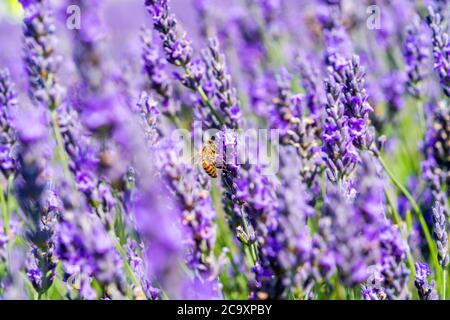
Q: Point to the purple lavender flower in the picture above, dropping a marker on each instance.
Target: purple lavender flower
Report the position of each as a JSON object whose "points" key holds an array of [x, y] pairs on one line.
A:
{"points": [[154, 66], [441, 50], [425, 289], [315, 95], [224, 92], [436, 149], [296, 128], [393, 270], [150, 115], [371, 293], [41, 61], [280, 233], [32, 191], [347, 127], [339, 152], [337, 41], [178, 52], [177, 49], [85, 249], [156, 214], [7, 235], [416, 54], [84, 162], [355, 99], [349, 243], [370, 201], [346, 244], [393, 86], [440, 234], [201, 8], [27, 3], [88, 49], [140, 269], [191, 189], [8, 105]]}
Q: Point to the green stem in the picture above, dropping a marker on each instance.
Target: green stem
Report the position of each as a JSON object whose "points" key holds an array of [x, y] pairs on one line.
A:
{"points": [[444, 284], [4, 207], [119, 249], [253, 249], [62, 155], [6, 218], [205, 98], [175, 121], [123, 254], [417, 212], [208, 103]]}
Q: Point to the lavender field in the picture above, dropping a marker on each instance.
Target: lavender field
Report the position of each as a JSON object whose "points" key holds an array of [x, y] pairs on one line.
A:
{"points": [[224, 149]]}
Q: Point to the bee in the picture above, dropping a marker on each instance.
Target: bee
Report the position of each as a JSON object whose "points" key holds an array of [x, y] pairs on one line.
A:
{"points": [[209, 157]]}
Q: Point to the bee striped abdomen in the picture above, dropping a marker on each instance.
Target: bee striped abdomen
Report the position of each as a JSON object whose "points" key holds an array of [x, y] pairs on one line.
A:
{"points": [[209, 168]]}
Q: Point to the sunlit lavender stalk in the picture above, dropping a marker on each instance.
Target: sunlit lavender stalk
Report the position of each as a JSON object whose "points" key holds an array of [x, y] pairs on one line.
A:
{"points": [[436, 149], [36, 199], [154, 68], [280, 233], [86, 250], [356, 246], [41, 61], [339, 153], [178, 51], [416, 54], [224, 92], [355, 99], [8, 105], [296, 128], [337, 41], [441, 50], [198, 215], [314, 94], [440, 234], [88, 47], [426, 290], [394, 272]]}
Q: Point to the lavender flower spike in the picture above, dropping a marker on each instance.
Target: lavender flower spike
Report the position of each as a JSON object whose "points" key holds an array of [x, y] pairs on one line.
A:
{"points": [[154, 66], [198, 215], [436, 149], [224, 92], [441, 49], [416, 54], [178, 50], [440, 234], [355, 99], [35, 199], [41, 62], [339, 153], [8, 104], [297, 128], [425, 289]]}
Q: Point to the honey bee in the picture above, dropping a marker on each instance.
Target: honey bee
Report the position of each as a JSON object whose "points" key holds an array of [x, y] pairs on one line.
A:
{"points": [[209, 158]]}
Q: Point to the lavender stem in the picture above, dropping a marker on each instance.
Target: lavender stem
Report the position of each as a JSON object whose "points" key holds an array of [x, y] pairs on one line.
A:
{"points": [[444, 283], [253, 249], [123, 255], [205, 99], [61, 151], [5, 212]]}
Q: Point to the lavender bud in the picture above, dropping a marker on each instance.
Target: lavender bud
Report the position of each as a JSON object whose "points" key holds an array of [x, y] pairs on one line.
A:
{"points": [[425, 289]]}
